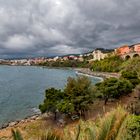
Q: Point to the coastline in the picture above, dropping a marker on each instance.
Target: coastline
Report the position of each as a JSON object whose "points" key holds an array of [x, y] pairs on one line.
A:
{"points": [[92, 76], [85, 71], [30, 119], [5, 131], [102, 75], [13, 124]]}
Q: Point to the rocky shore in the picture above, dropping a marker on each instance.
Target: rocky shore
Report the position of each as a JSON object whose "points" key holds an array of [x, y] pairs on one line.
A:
{"points": [[19, 122], [103, 75]]}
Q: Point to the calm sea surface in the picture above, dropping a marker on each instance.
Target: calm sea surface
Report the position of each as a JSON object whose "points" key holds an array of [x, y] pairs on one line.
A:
{"points": [[22, 89]]}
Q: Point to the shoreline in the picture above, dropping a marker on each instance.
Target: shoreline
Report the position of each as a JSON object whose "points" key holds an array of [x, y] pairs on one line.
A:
{"points": [[102, 75], [15, 123], [83, 71], [86, 71], [84, 74]]}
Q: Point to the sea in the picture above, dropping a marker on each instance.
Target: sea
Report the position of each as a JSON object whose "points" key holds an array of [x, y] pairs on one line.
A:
{"points": [[22, 89]]}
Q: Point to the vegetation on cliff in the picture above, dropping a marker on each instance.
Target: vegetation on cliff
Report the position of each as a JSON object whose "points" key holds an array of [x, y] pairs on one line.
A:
{"points": [[79, 93], [75, 98], [114, 88], [115, 125], [116, 64], [66, 63], [109, 64]]}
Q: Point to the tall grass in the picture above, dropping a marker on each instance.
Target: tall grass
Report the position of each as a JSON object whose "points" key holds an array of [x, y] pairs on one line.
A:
{"points": [[16, 135], [112, 126]]}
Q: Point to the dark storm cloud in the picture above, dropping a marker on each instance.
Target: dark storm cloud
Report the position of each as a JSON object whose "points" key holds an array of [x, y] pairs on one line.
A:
{"points": [[55, 27]]}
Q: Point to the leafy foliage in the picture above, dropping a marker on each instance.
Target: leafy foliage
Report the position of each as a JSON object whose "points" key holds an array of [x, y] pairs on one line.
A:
{"points": [[132, 76], [52, 98], [78, 92], [75, 98], [66, 63], [114, 88], [131, 65], [133, 128], [116, 64], [109, 64]]}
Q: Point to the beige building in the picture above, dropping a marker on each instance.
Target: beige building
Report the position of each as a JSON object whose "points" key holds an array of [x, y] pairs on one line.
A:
{"points": [[98, 55]]}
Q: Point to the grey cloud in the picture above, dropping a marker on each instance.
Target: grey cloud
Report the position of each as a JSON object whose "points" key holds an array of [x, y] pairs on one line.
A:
{"points": [[56, 27]]}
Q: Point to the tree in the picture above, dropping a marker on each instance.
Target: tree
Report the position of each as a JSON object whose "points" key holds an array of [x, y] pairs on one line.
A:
{"points": [[66, 107], [114, 88], [78, 93], [132, 76], [52, 97], [75, 98]]}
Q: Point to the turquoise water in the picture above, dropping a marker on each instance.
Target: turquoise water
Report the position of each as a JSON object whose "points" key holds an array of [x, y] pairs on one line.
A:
{"points": [[22, 89]]}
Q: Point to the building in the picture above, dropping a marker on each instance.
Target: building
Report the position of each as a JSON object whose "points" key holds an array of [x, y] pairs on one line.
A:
{"points": [[56, 58], [122, 50], [65, 58], [99, 54], [127, 52]]}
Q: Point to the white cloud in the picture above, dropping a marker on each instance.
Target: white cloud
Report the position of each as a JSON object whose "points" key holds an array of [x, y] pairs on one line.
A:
{"points": [[64, 49], [18, 42]]}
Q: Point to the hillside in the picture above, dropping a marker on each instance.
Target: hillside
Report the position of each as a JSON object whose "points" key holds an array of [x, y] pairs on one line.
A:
{"points": [[116, 64]]}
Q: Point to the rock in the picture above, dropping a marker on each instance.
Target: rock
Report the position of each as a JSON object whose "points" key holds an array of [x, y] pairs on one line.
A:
{"points": [[12, 124], [38, 118], [22, 121], [33, 117], [5, 125]]}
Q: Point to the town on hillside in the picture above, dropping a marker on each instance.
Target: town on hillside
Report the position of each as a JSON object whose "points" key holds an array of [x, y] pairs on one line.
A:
{"points": [[125, 52]]}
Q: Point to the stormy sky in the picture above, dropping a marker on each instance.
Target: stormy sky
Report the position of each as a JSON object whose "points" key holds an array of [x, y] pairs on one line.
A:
{"points": [[31, 28]]}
